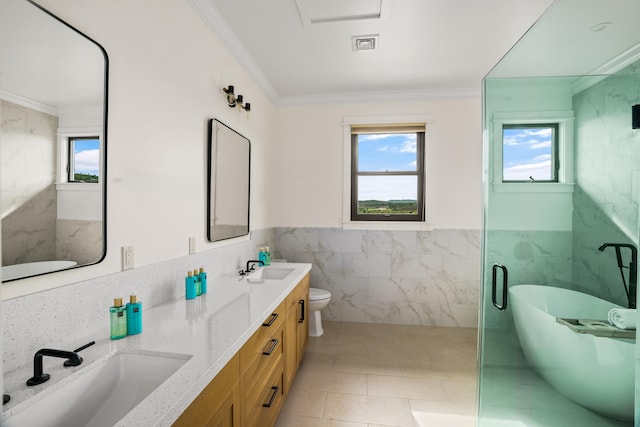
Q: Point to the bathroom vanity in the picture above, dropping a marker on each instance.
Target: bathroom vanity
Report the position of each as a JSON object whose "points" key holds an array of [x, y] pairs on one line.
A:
{"points": [[250, 389], [234, 352]]}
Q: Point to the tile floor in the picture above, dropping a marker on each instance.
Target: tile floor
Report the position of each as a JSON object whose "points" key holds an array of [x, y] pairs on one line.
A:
{"points": [[364, 375]]}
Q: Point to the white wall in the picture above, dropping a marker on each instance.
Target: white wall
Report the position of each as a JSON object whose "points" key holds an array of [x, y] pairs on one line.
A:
{"points": [[525, 208], [166, 72], [308, 190]]}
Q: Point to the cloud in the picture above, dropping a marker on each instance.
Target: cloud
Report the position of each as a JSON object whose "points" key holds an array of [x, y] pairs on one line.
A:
{"points": [[87, 161], [539, 170], [374, 136], [387, 188], [533, 139]]}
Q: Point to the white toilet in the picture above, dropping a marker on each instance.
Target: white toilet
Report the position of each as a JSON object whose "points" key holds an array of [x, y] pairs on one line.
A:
{"points": [[318, 299]]}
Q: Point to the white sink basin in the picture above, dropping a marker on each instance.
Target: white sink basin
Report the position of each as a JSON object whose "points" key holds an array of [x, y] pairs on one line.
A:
{"points": [[102, 394], [269, 273]]}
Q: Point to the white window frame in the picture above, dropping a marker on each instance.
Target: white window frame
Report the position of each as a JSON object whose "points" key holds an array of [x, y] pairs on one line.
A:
{"points": [[565, 141], [347, 223]]}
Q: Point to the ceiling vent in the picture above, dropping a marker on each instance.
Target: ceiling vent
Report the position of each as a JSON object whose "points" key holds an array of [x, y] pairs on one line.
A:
{"points": [[332, 11], [364, 43]]}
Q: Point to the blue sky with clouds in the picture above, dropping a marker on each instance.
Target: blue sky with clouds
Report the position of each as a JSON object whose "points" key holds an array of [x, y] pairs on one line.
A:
{"points": [[392, 152], [527, 152], [87, 156]]}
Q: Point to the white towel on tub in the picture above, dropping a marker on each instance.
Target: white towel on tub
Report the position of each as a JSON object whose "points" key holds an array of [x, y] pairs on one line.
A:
{"points": [[623, 318]]}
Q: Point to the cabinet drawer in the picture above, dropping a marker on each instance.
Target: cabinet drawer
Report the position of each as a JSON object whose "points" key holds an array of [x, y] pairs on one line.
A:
{"points": [[263, 365], [262, 337], [263, 409]]}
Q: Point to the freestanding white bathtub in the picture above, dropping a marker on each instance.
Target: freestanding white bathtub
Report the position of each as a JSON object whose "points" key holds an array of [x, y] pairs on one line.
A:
{"points": [[596, 372], [10, 272]]}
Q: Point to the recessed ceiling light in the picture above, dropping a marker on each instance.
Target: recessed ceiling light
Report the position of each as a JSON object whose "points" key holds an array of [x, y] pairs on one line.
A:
{"points": [[600, 27], [364, 43]]}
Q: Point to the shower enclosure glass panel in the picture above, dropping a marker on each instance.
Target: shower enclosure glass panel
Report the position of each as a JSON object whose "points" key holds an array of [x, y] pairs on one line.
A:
{"points": [[548, 233]]}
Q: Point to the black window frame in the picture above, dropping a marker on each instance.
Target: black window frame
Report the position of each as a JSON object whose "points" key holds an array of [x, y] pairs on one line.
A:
{"points": [[555, 156], [419, 173], [71, 158]]}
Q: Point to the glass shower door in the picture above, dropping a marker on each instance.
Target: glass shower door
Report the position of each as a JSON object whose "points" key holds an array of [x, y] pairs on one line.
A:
{"points": [[548, 231]]}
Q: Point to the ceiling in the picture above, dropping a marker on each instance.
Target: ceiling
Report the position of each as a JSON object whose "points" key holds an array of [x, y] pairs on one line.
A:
{"points": [[300, 51], [44, 61]]}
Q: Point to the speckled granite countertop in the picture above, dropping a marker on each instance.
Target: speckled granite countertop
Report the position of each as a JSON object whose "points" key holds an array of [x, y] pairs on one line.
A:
{"points": [[210, 329]]}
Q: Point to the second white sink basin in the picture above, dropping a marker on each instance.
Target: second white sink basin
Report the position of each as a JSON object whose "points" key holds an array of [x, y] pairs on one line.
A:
{"points": [[103, 394], [269, 273]]}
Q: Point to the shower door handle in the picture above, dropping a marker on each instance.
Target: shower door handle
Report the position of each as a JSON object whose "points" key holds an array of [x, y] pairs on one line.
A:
{"points": [[494, 285]]}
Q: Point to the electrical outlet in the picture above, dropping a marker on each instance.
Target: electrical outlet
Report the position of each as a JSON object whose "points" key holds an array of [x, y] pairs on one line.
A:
{"points": [[127, 258], [192, 245]]}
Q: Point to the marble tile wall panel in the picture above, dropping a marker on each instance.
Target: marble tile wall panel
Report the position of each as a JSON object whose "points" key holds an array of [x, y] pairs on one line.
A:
{"points": [[63, 316], [401, 277], [79, 240], [607, 163], [27, 177]]}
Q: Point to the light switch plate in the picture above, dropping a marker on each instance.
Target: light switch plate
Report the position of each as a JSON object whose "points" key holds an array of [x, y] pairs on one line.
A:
{"points": [[127, 258]]}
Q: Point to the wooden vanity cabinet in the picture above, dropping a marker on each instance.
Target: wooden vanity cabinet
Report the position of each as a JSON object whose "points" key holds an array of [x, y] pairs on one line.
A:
{"points": [[296, 329], [261, 372], [219, 403], [250, 389]]}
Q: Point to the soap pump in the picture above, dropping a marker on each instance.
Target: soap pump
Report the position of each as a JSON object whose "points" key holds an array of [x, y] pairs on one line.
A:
{"points": [[118, 319], [203, 281], [190, 286], [134, 316]]}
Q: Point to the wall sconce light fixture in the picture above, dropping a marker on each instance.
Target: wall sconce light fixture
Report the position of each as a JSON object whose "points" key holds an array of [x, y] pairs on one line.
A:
{"points": [[231, 97], [635, 116], [234, 100]]}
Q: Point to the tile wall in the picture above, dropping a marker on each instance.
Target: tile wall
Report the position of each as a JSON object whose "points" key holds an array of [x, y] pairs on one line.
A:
{"points": [[396, 277]]}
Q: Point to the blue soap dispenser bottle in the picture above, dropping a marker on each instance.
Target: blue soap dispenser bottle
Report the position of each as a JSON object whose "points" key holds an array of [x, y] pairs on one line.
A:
{"points": [[190, 286], [134, 316], [203, 281]]}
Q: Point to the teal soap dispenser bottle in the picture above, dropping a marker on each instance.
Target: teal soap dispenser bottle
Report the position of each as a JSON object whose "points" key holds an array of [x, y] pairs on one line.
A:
{"points": [[134, 316], [118, 319]]}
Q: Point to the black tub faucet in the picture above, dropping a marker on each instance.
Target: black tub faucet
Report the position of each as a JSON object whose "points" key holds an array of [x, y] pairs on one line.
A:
{"points": [[633, 269], [39, 377]]}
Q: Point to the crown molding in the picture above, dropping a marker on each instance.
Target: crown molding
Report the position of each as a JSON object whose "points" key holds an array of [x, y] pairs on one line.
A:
{"points": [[214, 20], [27, 102], [357, 97], [612, 66]]}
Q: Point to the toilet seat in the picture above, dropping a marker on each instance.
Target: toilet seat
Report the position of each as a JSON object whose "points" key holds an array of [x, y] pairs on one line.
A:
{"points": [[318, 294]]}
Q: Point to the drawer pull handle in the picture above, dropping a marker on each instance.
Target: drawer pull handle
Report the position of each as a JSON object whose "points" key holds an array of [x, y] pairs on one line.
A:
{"points": [[272, 319], [274, 343], [301, 319], [273, 397]]}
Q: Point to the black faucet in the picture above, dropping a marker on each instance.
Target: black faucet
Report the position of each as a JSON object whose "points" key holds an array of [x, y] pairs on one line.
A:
{"points": [[633, 269], [73, 359], [253, 261]]}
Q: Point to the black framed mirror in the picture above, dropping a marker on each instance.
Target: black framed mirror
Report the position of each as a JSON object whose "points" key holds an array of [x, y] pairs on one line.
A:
{"points": [[228, 182], [53, 143]]}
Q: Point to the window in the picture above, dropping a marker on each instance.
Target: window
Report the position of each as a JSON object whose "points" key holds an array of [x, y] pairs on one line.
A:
{"points": [[530, 152], [84, 159], [387, 172]]}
